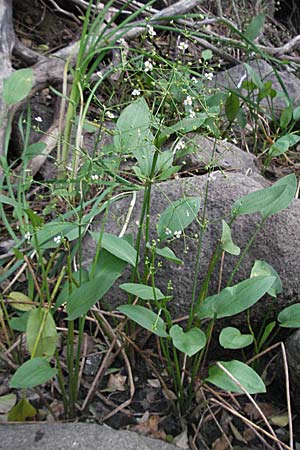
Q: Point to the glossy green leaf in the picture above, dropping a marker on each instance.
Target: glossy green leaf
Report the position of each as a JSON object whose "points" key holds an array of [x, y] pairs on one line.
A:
{"points": [[226, 240], [235, 299], [17, 86], [232, 106], [142, 291], [190, 342], [32, 373], [145, 318], [117, 246], [21, 302], [296, 114], [41, 334], [246, 376], [167, 253], [268, 201], [19, 323], [262, 268], [177, 217], [232, 338], [65, 292], [255, 27], [267, 331], [133, 127], [289, 317]]}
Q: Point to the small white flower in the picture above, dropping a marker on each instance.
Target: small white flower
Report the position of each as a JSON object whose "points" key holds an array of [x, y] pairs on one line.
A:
{"points": [[180, 145], [188, 101], [209, 75], [192, 114], [194, 80], [168, 231], [177, 234], [121, 41], [94, 177], [150, 30], [57, 239], [27, 236], [183, 46], [38, 119], [135, 93], [148, 66], [212, 176], [110, 115], [99, 74]]}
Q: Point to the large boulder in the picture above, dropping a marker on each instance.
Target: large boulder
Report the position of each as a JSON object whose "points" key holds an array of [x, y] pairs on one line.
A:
{"points": [[278, 243]]}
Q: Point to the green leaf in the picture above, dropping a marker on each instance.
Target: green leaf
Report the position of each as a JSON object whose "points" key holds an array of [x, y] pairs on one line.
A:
{"points": [[33, 150], [267, 331], [283, 144], [177, 217], [21, 411], [108, 270], [232, 338], [190, 342], [142, 291], [226, 240], [167, 253], [8, 201], [133, 127], [254, 77], [32, 373], [246, 376], [296, 114], [289, 317], [17, 86], [41, 327], [20, 301], [45, 236], [206, 55], [19, 323], [268, 201], [255, 27], [235, 299], [286, 116], [7, 402], [186, 125], [64, 294], [145, 318], [117, 246], [232, 106], [262, 268], [35, 220]]}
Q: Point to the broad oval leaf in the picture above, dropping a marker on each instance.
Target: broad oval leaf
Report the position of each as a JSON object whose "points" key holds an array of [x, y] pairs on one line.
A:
{"points": [[232, 106], [177, 217], [268, 201], [32, 373], [41, 334], [167, 253], [142, 291], [246, 376], [7, 402], [289, 317], [190, 342], [235, 299], [17, 86], [232, 338], [117, 246], [283, 144], [145, 318], [286, 116], [21, 302], [255, 27], [33, 150], [226, 240], [262, 268]]}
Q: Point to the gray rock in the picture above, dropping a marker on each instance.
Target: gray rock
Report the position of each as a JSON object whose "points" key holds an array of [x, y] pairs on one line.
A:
{"points": [[216, 154], [233, 76], [278, 242], [80, 436], [293, 357]]}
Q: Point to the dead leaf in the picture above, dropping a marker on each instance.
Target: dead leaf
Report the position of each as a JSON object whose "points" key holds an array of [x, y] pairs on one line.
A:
{"points": [[268, 409], [221, 443], [236, 433], [181, 440], [153, 382], [116, 382], [150, 428], [281, 420]]}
